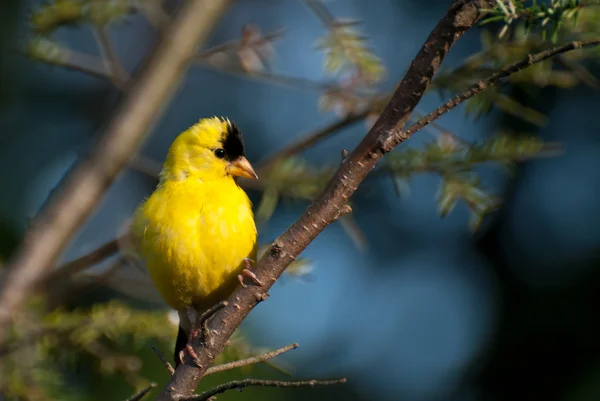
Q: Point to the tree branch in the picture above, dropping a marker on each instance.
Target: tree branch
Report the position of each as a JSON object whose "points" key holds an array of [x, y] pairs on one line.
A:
{"points": [[316, 136], [284, 81], [142, 393], [461, 16], [163, 359], [240, 384], [83, 188], [250, 361], [83, 262], [238, 44], [490, 81], [118, 75]]}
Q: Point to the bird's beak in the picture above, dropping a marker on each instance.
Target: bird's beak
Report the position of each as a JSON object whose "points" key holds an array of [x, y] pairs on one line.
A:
{"points": [[241, 167]]}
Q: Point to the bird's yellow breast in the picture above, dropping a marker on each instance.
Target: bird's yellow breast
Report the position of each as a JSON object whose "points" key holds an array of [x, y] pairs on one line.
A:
{"points": [[194, 236]]}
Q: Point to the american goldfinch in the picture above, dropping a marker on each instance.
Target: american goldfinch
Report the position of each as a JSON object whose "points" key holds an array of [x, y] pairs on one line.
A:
{"points": [[196, 232]]}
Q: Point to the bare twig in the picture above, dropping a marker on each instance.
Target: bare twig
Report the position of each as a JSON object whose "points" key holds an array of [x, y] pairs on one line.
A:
{"points": [[205, 59], [59, 295], [241, 384], [84, 187], [321, 12], [285, 81], [250, 361], [325, 209], [118, 75], [486, 83], [314, 137], [162, 358], [77, 61], [69, 269], [145, 165], [142, 393], [238, 44]]}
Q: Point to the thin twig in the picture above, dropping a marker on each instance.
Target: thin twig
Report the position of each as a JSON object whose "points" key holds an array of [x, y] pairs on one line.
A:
{"points": [[145, 165], [444, 131], [486, 83], [77, 61], [241, 384], [204, 59], [142, 393], [69, 269], [321, 12], [59, 295], [250, 361], [162, 358], [314, 137], [284, 81], [238, 44], [84, 186], [118, 75]]}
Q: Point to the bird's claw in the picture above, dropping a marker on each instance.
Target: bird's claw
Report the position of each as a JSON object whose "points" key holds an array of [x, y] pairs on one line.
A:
{"points": [[190, 349], [248, 273]]}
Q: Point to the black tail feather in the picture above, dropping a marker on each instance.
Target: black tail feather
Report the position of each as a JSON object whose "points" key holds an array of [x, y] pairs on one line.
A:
{"points": [[180, 344]]}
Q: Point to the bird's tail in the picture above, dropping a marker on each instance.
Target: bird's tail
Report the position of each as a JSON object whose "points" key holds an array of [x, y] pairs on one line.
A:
{"points": [[180, 344]]}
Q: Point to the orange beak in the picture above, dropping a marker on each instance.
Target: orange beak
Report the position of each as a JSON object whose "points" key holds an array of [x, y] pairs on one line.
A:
{"points": [[241, 167]]}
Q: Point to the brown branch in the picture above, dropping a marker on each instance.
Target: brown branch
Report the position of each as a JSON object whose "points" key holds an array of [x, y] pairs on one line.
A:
{"points": [[314, 137], [285, 81], [319, 9], [69, 269], [81, 62], [486, 83], [461, 16], [145, 165], [241, 384], [82, 190], [250, 361], [118, 74], [141, 394], [163, 359], [238, 44]]}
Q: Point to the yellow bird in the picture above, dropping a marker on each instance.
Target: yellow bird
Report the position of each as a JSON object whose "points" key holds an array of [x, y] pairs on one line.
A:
{"points": [[196, 232]]}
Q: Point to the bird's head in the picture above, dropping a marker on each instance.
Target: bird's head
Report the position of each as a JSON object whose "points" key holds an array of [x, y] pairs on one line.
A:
{"points": [[211, 149]]}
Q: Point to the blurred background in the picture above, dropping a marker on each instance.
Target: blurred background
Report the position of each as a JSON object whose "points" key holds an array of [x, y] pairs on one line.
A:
{"points": [[497, 300]]}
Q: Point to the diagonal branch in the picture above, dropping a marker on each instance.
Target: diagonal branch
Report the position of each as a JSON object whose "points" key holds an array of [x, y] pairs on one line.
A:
{"points": [[490, 81], [461, 16], [118, 74], [251, 360], [314, 137], [142, 393], [241, 384], [83, 188], [69, 269], [238, 44]]}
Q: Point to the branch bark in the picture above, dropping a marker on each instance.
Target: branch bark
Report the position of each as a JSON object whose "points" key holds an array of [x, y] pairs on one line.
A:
{"points": [[461, 16], [83, 188]]}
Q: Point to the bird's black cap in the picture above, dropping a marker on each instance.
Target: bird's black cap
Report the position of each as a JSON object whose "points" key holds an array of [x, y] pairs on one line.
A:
{"points": [[233, 142]]}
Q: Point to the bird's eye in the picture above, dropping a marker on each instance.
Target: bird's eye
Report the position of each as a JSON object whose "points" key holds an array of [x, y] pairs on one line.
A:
{"points": [[220, 153]]}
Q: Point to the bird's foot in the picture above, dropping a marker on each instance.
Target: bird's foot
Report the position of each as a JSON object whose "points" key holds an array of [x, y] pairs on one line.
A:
{"points": [[248, 273], [199, 321], [190, 349]]}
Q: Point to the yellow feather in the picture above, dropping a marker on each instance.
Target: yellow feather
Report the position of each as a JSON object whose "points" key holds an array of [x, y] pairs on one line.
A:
{"points": [[197, 227]]}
